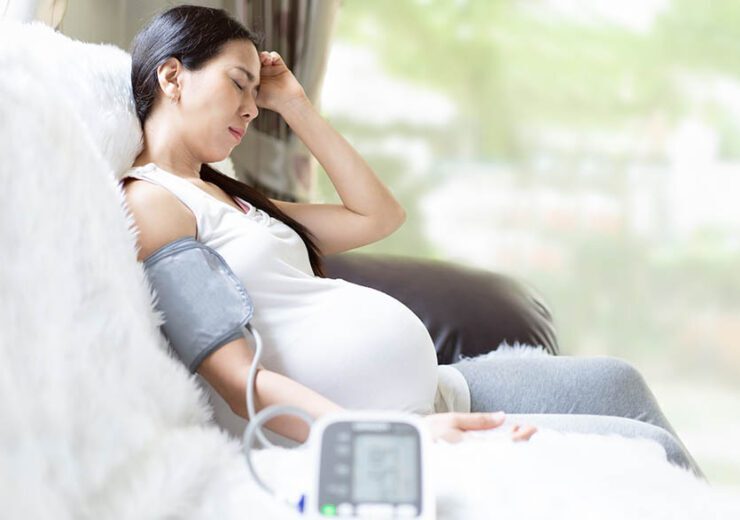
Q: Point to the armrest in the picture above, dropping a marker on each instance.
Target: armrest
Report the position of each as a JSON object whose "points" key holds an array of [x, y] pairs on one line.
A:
{"points": [[467, 311]]}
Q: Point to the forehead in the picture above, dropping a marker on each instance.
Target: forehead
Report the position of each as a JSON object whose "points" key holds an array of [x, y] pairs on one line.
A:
{"points": [[240, 53]]}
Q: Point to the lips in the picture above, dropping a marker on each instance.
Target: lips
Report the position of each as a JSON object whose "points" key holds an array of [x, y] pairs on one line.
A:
{"points": [[238, 134]]}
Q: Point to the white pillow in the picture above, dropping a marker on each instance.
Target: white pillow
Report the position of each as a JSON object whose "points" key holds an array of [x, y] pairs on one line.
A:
{"points": [[93, 78]]}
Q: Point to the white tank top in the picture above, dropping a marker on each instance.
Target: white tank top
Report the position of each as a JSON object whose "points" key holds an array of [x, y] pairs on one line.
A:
{"points": [[355, 345]]}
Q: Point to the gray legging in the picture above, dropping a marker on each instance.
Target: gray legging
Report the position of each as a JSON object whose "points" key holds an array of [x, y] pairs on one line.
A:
{"points": [[599, 394]]}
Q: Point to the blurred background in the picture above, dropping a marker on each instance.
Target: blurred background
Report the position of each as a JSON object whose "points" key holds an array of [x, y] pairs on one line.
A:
{"points": [[591, 148], [588, 147]]}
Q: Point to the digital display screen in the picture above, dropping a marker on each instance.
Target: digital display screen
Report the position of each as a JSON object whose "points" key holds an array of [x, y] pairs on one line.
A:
{"points": [[385, 468]]}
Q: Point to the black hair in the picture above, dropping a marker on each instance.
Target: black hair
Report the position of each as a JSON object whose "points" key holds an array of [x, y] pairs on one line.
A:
{"points": [[194, 35]]}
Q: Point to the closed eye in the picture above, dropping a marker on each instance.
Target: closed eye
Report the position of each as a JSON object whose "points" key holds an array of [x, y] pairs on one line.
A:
{"points": [[237, 84]]}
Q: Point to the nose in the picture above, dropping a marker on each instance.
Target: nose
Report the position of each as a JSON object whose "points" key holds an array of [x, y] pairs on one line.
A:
{"points": [[250, 111]]}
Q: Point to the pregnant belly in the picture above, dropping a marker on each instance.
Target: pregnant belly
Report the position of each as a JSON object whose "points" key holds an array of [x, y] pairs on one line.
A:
{"points": [[361, 349]]}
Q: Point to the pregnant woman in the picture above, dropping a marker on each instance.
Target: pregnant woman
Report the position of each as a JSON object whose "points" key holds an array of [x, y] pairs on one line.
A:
{"points": [[198, 80]]}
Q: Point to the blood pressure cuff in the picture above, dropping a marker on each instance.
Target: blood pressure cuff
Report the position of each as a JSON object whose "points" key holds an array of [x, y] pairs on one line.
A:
{"points": [[203, 302]]}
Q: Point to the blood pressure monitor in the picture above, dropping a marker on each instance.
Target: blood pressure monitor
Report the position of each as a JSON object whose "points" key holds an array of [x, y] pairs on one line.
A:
{"points": [[369, 464]]}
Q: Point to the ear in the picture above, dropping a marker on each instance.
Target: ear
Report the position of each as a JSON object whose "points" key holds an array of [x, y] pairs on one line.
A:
{"points": [[169, 77]]}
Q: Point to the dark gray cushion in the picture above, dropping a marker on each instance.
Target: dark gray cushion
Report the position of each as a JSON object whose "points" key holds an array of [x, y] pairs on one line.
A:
{"points": [[467, 311]]}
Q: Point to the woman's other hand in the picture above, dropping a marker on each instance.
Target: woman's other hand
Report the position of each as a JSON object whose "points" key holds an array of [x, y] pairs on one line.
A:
{"points": [[278, 85], [450, 426]]}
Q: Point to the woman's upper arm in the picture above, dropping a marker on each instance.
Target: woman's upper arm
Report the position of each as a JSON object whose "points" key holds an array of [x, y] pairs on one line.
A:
{"points": [[161, 218], [158, 215]]}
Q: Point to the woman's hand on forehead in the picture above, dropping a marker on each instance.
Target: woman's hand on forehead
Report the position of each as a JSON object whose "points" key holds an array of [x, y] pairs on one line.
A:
{"points": [[278, 85]]}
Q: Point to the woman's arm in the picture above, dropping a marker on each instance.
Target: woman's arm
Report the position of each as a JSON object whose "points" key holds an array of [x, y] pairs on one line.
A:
{"points": [[161, 218], [368, 211], [360, 189], [226, 370]]}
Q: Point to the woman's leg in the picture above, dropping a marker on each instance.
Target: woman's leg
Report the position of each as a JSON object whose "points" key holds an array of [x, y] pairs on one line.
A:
{"points": [[599, 385]]}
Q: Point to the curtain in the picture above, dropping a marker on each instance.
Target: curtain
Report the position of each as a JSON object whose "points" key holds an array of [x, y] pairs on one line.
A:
{"points": [[271, 157]]}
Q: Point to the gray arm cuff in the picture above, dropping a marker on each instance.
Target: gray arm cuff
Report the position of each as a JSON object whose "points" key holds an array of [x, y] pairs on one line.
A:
{"points": [[203, 302]]}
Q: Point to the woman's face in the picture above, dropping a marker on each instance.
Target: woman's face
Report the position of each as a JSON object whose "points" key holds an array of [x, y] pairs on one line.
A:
{"points": [[219, 96]]}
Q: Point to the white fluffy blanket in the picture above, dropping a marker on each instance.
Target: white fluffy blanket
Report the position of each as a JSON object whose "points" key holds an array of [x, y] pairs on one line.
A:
{"points": [[99, 420]]}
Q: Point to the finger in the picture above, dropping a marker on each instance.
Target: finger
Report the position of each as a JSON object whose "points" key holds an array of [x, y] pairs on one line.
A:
{"points": [[475, 421], [270, 58], [524, 434]]}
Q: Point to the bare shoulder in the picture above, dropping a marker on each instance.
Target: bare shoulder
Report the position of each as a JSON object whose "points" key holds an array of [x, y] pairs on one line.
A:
{"points": [[160, 217]]}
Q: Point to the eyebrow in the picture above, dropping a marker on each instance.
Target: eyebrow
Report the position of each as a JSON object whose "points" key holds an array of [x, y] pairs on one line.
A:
{"points": [[250, 76]]}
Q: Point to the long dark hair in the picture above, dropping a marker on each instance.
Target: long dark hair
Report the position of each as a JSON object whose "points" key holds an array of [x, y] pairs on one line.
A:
{"points": [[194, 35]]}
